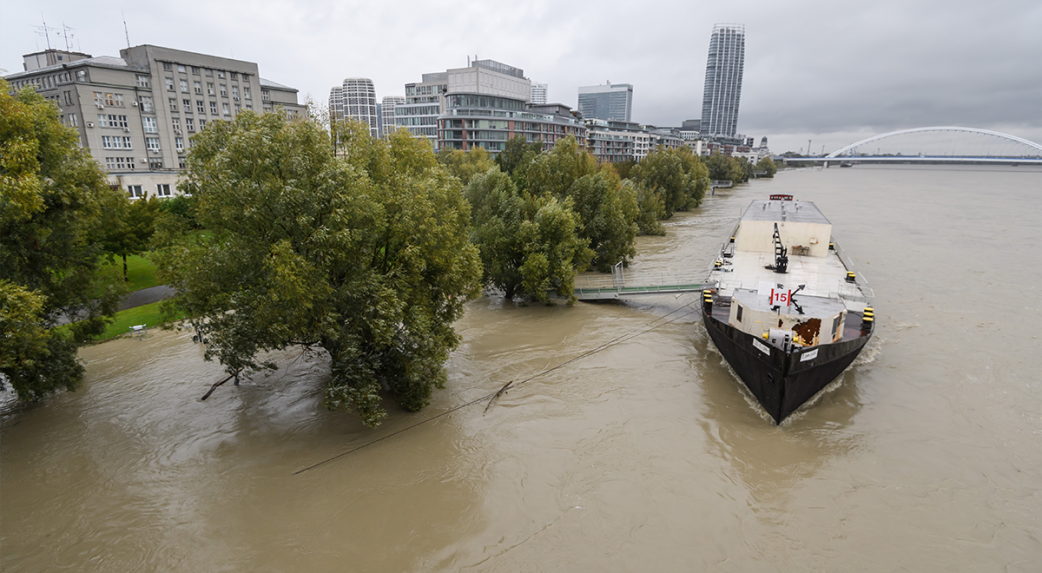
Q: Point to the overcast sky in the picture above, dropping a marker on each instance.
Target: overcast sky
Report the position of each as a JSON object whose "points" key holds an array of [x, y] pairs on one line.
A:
{"points": [[832, 72]]}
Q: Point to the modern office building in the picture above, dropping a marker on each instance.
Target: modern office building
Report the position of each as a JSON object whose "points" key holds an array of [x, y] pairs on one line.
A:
{"points": [[387, 105], [723, 85], [426, 101], [610, 102], [488, 121], [137, 113], [539, 92], [356, 99]]}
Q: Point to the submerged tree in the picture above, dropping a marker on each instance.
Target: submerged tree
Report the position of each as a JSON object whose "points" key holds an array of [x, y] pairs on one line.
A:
{"points": [[529, 245], [366, 255], [54, 206], [676, 177]]}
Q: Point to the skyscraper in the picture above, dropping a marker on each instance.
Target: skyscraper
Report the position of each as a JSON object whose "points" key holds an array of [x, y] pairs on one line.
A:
{"points": [[723, 87], [538, 94], [608, 102], [356, 99]]}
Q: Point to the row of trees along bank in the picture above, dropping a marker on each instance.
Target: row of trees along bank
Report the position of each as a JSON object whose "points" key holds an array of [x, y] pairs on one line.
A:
{"points": [[367, 248]]}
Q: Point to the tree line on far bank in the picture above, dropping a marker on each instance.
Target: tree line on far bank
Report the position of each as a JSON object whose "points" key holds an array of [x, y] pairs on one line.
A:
{"points": [[367, 251]]}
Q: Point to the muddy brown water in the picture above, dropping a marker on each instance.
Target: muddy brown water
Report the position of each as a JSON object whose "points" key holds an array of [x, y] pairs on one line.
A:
{"points": [[925, 455]]}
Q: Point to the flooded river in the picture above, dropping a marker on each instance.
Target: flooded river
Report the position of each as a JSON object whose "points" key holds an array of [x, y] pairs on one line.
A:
{"points": [[646, 456]]}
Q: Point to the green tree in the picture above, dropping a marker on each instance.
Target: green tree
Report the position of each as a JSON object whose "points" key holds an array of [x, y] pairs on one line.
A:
{"points": [[515, 157], [365, 255], [767, 165], [726, 169], [529, 245], [465, 164], [54, 206], [676, 177], [608, 211], [130, 233]]}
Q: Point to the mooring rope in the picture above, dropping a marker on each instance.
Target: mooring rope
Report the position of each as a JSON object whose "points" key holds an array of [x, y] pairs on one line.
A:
{"points": [[650, 326]]}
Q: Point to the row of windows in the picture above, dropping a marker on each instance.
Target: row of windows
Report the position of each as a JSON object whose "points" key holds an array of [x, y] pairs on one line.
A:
{"points": [[197, 87], [43, 82], [116, 142], [112, 120], [108, 99], [200, 107], [196, 70]]}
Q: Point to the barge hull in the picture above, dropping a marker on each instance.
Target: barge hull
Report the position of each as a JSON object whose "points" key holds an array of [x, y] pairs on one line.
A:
{"points": [[780, 381]]}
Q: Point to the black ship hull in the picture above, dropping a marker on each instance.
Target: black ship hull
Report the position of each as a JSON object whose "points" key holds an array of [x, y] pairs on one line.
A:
{"points": [[782, 381]]}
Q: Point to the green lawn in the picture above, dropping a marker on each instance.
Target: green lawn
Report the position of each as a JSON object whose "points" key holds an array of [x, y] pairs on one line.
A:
{"points": [[147, 314], [141, 273]]}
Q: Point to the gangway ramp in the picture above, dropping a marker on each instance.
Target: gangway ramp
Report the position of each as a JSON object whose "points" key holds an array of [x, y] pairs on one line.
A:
{"points": [[621, 285]]}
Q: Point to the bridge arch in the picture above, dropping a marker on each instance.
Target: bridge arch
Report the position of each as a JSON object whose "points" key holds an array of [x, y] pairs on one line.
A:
{"points": [[1011, 138]]}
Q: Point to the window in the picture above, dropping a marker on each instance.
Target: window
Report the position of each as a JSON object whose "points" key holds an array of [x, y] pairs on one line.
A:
{"points": [[176, 122], [238, 108], [167, 66], [246, 77], [146, 103], [265, 95], [112, 121], [184, 86], [108, 98], [208, 73], [224, 90], [213, 108], [169, 84], [81, 76], [234, 76], [116, 142], [179, 143], [199, 107], [195, 70], [209, 88], [235, 92], [68, 97], [72, 120], [189, 124], [181, 162], [249, 106], [198, 87], [188, 105], [202, 124], [739, 316], [220, 75], [246, 92], [135, 191], [122, 163], [224, 108], [181, 68], [163, 189], [152, 143], [155, 163], [173, 104], [149, 123]]}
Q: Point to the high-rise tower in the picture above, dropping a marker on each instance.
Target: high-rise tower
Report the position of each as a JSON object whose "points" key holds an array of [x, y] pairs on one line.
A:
{"points": [[356, 99], [723, 87]]}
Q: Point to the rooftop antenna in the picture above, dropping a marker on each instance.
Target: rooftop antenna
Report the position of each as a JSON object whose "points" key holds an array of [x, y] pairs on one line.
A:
{"points": [[125, 29], [66, 30], [44, 31]]}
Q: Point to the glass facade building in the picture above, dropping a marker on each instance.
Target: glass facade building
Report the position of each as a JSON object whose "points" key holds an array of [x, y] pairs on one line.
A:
{"points": [[723, 86], [356, 99], [611, 102]]}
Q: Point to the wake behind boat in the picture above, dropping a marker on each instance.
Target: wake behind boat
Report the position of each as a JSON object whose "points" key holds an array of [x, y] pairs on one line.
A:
{"points": [[788, 313]]}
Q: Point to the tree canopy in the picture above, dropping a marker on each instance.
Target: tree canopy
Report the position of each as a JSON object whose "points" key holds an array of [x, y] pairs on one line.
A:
{"points": [[54, 207], [529, 245], [365, 254], [465, 164], [675, 177]]}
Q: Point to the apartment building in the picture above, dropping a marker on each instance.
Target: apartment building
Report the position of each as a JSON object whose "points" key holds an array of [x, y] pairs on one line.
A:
{"points": [[137, 113], [488, 121]]}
